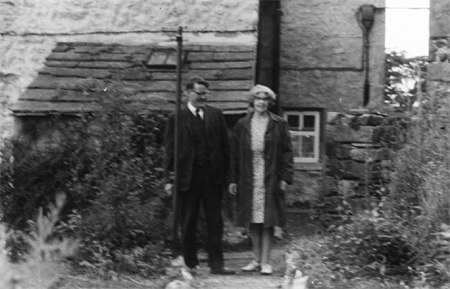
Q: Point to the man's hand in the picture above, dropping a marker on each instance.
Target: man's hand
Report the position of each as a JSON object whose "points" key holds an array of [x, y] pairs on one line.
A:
{"points": [[168, 188], [283, 185], [232, 188]]}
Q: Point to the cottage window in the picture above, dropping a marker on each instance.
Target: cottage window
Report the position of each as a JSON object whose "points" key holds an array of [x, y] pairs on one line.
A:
{"points": [[162, 59], [305, 134]]}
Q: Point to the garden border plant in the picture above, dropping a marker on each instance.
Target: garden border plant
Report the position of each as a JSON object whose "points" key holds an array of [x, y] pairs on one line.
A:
{"points": [[109, 166], [406, 236]]}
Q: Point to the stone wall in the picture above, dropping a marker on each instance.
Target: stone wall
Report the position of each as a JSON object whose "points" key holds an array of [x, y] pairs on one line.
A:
{"points": [[439, 18], [354, 168], [321, 47], [30, 29], [321, 68], [438, 72]]}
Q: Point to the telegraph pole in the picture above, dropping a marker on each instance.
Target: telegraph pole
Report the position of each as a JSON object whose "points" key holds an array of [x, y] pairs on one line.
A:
{"points": [[177, 140]]}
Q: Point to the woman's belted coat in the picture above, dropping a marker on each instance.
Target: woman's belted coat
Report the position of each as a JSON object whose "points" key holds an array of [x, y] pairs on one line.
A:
{"points": [[278, 166]]}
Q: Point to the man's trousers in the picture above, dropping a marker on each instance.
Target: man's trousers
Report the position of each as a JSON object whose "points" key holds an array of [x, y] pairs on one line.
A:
{"points": [[203, 193]]}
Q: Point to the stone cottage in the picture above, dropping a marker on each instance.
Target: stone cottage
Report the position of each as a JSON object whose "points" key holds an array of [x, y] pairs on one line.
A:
{"points": [[325, 60]]}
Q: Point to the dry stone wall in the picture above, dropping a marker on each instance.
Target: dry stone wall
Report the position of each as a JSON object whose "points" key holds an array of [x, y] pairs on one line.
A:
{"points": [[353, 166], [30, 29], [354, 170]]}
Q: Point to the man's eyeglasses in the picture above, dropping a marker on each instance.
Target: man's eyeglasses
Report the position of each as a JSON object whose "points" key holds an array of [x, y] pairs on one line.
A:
{"points": [[201, 93]]}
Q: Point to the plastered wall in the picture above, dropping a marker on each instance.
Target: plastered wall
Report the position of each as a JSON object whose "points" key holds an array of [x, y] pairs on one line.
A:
{"points": [[321, 46]]}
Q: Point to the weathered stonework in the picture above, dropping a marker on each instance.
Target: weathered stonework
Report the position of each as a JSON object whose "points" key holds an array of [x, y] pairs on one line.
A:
{"points": [[439, 18], [347, 134], [438, 72], [321, 51], [30, 30], [306, 188], [353, 168]]}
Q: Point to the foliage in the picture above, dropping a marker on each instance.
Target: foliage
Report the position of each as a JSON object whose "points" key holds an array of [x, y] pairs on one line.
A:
{"points": [[7, 276], [402, 79], [42, 243], [108, 164], [406, 235], [420, 184], [45, 244], [371, 244]]}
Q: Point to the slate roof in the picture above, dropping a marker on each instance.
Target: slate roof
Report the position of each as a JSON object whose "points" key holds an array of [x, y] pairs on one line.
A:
{"points": [[61, 86]]}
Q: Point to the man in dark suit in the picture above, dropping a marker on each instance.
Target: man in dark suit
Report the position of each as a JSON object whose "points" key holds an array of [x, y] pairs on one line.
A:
{"points": [[203, 160]]}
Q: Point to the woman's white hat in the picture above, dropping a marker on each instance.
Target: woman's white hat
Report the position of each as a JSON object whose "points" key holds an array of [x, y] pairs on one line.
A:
{"points": [[261, 88]]}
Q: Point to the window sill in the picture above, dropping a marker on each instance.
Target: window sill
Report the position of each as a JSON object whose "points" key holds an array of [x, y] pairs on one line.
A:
{"points": [[308, 166]]}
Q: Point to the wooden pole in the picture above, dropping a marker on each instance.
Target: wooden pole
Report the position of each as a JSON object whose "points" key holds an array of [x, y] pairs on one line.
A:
{"points": [[177, 140]]}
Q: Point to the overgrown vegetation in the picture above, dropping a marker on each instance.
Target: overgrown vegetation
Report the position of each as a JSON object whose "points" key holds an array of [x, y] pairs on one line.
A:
{"points": [[43, 247], [407, 235], [108, 164], [403, 79]]}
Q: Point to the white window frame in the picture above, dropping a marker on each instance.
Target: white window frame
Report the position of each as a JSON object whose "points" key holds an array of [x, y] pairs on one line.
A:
{"points": [[315, 133]]}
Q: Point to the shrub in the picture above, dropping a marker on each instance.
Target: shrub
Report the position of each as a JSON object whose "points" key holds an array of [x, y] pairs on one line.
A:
{"points": [[406, 235], [420, 185], [109, 166], [372, 244]]}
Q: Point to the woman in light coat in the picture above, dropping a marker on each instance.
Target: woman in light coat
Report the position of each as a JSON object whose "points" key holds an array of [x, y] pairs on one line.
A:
{"points": [[261, 167]]}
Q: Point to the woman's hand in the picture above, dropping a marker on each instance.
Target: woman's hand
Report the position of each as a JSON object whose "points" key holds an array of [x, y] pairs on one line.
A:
{"points": [[232, 188], [283, 185], [168, 188]]}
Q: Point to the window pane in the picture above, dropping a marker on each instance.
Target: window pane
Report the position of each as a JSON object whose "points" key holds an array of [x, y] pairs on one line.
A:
{"points": [[308, 122], [307, 146], [296, 140], [157, 58], [172, 58], [293, 121]]}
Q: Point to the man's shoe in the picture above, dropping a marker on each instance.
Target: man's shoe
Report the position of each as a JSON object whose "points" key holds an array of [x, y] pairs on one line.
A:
{"points": [[252, 266], [266, 269], [223, 271]]}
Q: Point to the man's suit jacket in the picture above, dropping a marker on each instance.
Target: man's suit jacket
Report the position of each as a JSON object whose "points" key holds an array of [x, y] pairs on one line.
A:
{"points": [[217, 140]]}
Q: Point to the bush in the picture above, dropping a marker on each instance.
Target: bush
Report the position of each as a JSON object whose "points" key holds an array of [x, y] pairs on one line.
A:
{"points": [[420, 185], [407, 234], [372, 244], [109, 167]]}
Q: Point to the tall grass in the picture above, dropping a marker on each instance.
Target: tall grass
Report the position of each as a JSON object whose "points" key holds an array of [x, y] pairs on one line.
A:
{"points": [[420, 184], [407, 235]]}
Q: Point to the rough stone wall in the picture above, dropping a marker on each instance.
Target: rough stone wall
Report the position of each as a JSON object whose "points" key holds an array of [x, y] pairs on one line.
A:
{"points": [[321, 43], [439, 18], [354, 158], [30, 29], [352, 169], [438, 72]]}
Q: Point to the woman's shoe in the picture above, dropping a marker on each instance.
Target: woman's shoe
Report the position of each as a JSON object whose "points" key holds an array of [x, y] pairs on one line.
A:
{"points": [[252, 266], [266, 269]]}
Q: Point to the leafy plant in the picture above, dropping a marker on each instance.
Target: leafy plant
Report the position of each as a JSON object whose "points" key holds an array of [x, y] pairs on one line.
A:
{"points": [[405, 236], [402, 79], [108, 165]]}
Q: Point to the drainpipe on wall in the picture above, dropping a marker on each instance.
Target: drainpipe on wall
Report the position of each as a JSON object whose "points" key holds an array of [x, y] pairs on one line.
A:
{"points": [[268, 48]]}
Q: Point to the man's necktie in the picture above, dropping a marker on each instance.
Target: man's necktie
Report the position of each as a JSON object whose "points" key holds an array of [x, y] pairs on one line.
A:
{"points": [[197, 114]]}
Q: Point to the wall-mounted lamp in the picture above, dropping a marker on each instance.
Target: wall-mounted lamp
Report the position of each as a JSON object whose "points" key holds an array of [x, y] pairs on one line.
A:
{"points": [[366, 19], [366, 16]]}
